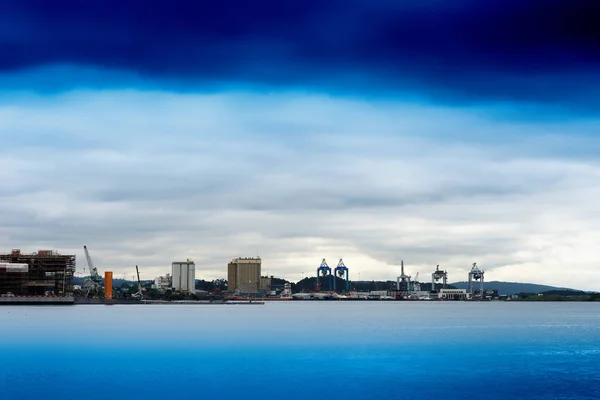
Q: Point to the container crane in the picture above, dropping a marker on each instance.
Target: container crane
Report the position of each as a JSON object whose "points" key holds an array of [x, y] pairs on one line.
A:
{"points": [[403, 281], [342, 271], [477, 275], [436, 276], [325, 271]]}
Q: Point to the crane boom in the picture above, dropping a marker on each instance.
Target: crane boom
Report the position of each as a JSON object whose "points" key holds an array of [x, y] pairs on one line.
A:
{"points": [[139, 283], [94, 276]]}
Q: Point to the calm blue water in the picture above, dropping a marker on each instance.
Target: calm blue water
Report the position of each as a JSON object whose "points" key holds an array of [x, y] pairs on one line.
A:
{"points": [[308, 350]]}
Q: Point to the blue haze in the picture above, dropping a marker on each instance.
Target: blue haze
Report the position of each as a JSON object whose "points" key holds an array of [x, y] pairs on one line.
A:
{"points": [[467, 51], [303, 350]]}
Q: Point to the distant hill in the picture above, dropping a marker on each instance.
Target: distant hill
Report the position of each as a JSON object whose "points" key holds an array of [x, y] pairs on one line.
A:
{"points": [[117, 282], [512, 287], [308, 284]]}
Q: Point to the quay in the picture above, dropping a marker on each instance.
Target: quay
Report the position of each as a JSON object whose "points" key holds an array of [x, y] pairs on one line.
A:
{"points": [[36, 300]]}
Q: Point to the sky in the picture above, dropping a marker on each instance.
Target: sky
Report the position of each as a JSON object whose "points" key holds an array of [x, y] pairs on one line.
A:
{"points": [[431, 131]]}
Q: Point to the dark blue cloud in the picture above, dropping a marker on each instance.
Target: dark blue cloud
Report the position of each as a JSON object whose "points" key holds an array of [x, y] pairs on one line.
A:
{"points": [[532, 50]]}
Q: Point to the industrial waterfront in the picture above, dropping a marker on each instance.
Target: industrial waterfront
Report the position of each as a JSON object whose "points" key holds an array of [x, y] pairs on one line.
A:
{"points": [[48, 277]]}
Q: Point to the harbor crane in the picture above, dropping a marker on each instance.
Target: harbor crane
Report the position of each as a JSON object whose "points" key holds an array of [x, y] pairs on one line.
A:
{"points": [[95, 280], [476, 275], [94, 276], [341, 270], [325, 271], [139, 293], [436, 276], [403, 284], [416, 286]]}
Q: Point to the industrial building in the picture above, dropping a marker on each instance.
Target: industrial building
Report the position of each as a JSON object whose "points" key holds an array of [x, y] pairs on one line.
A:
{"points": [[163, 282], [244, 277], [184, 275], [453, 294], [43, 273]]}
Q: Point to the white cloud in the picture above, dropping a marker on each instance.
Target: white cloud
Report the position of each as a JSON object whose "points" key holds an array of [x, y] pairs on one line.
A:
{"points": [[149, 177]]}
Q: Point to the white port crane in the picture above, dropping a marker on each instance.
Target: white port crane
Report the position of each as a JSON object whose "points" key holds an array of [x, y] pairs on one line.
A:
{"points": [[139, 293], [94, 276], [95, 280]]}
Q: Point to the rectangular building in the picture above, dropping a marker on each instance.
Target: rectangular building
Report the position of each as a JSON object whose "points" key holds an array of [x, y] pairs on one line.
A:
{"points": [[243, 275], [184, 275], [453, 294]]}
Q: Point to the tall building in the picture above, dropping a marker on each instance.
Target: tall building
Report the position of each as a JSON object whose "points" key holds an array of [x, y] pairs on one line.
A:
{"points": [[243, 275], [184, 275]]}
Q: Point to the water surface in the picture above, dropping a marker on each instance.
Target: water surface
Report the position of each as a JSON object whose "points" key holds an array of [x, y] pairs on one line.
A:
{"points": [[297, 350]]}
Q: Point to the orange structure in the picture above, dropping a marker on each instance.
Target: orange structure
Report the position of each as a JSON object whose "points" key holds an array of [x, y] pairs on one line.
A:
{"points": [[108, 290]]}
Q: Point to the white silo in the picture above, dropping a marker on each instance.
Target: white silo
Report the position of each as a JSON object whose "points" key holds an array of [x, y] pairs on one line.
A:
{"points": [[184, 275]]}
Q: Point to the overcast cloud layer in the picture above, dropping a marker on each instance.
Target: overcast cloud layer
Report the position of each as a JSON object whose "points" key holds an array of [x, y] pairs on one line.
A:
{"points": [[148, 177], [437, 132]]}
